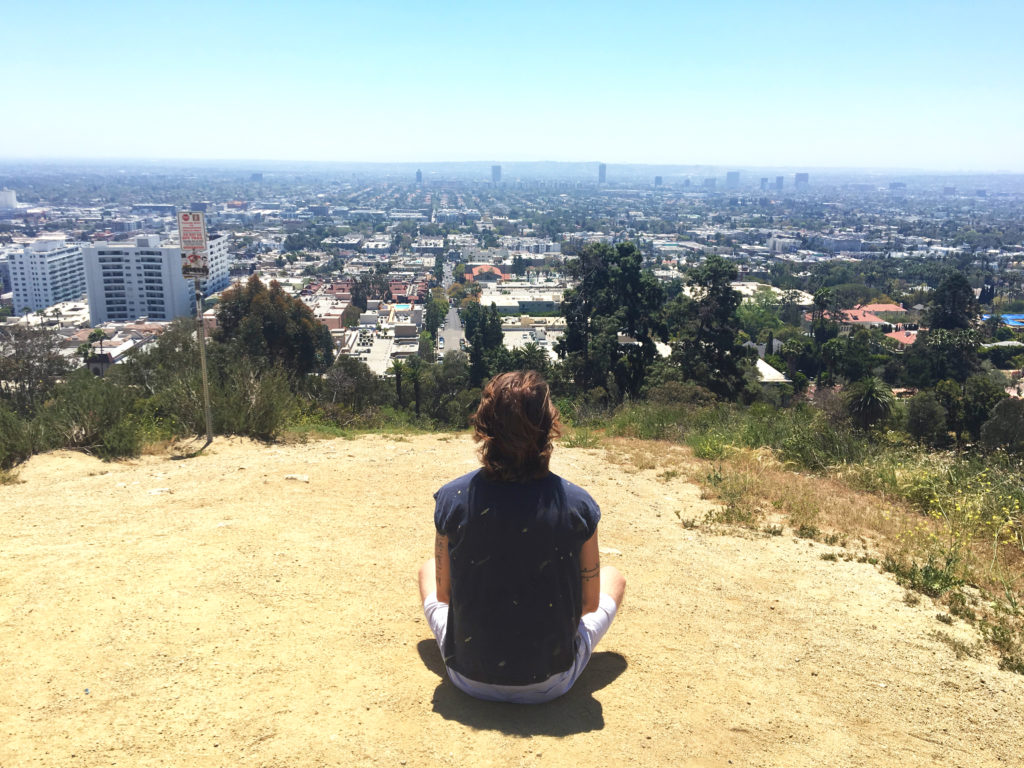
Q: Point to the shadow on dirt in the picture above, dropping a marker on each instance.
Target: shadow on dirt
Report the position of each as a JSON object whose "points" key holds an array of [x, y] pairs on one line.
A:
{"points": [[575, 712]]}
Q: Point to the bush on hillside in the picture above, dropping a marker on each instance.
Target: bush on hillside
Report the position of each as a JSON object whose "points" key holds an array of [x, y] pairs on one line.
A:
{"points": [[91, 414], [246, 400], [926, 420], [1005, 428], [15, 439]]}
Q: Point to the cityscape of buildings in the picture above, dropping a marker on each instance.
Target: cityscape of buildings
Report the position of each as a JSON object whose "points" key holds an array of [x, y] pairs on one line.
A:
{"points": [[73, 261]]}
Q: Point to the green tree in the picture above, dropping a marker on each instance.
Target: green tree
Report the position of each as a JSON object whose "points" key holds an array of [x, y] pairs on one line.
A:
{"points": [[416, 372], [981, 395], [397, 370], [426, 346], [869, 401], [531, 357], [272, 327], [759, 313], [705, 345], [97, 334], [952, 354], [350, 383], [434, 315], [613, 295], [953, 306], [31, 365], [926, 420], [1005, 428]]}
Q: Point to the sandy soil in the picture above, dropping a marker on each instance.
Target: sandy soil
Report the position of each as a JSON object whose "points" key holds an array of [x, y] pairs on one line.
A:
{"points": [[213, 611]]}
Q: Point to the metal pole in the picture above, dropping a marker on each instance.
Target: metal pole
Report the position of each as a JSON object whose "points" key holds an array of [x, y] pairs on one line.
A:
{"points": [[202, 362]]}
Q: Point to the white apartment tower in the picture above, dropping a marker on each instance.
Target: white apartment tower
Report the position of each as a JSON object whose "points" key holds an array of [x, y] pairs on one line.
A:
{"points": [[47, 272], [126, 282], [8, 199], [220, 265]]}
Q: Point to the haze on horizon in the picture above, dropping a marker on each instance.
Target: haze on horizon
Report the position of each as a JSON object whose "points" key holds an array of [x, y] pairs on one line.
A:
{"points": [[933, 86]]}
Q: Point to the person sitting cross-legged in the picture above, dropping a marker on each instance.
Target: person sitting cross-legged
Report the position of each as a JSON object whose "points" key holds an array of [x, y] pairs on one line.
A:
{"points": [[515, 594]]}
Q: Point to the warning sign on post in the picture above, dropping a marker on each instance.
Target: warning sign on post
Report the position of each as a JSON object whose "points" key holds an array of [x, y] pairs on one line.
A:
{"points": [[192, 232]]}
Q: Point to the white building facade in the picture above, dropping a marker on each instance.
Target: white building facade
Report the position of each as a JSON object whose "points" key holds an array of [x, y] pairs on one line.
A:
{"points": [[126, 282], [46, 272], [220, 265]]}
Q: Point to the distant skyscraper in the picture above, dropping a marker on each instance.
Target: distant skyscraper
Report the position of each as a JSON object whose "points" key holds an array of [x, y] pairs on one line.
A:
{"points": [[732, 179], [801, 180], [419, 176], [778, 183], [47, 272], [710, 183], [256, 177], [657, 181], [764, 183], [602, 173], [8, 199], [496, 174]]}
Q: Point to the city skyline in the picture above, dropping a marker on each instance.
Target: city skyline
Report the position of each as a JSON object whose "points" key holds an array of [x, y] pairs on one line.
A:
{"points": [[910, 85]]}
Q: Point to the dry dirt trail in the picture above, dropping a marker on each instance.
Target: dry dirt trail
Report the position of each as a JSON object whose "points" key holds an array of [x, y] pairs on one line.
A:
{"points": [[214, 612]]}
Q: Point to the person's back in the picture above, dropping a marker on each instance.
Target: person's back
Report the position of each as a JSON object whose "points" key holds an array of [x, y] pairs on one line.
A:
{"points": [[515, 595]]}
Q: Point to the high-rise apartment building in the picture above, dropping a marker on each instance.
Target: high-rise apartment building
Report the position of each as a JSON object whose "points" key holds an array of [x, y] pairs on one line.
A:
{"points": [[47, 272], [657, 181], [801, 180], [602, 173], [8, 199], [764, 183], [778, 183], [126, 282], [496, 174], [732, 179], [419, 176]]}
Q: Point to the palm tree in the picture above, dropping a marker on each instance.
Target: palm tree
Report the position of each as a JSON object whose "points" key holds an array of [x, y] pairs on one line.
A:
{"points": [[415, 368], [98, 335], [869, 401], [397, 369]]}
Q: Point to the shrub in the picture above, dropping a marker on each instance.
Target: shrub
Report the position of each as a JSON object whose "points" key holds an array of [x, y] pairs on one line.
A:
{"points": [[818, 444], [252, 402], [82, 412], [122, 440], [926, 419], [1005, 428], [15, 439], [930, 579], [708, 445]]}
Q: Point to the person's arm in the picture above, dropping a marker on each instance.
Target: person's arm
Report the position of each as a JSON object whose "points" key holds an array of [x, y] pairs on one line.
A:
{"points": [[590, 574], [442, 568]]}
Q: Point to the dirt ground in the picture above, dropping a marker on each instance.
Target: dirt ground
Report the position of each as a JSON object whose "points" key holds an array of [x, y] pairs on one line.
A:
{"points": [[256, 606]]}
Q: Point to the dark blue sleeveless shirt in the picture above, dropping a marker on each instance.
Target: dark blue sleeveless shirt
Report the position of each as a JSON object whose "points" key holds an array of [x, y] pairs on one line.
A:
{"points": [[516, 593]]}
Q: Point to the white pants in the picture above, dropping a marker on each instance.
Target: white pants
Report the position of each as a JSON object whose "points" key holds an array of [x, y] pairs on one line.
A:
{"points": [[592, 628]]}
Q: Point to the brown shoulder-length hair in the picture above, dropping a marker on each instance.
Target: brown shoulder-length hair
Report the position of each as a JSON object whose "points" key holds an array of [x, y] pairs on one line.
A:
{"points": [[515, 424]]}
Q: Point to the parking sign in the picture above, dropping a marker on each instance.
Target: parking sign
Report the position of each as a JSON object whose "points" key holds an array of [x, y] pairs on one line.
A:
{"points": [[192, 232]]}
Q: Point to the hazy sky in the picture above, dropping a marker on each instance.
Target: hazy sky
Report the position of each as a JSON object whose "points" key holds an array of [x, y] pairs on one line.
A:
{"points": [[932, 85]]}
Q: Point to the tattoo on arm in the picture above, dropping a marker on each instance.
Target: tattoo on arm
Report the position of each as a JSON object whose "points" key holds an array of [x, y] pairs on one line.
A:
{"points": [[590, 573], [439, 548]]}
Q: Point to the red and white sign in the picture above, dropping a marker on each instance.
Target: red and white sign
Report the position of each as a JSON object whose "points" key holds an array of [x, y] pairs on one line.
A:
{"points": [[192, 233]]}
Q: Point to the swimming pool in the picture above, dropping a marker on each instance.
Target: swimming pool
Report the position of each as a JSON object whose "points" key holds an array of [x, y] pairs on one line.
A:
{"points": [[1016, 321]]}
